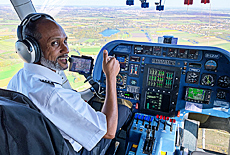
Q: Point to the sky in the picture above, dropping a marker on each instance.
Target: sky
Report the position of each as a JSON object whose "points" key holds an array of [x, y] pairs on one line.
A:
{"points": [[168, 3]]}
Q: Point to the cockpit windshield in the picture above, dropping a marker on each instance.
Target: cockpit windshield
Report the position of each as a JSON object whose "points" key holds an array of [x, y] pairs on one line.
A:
{"points": [[91, 24]]}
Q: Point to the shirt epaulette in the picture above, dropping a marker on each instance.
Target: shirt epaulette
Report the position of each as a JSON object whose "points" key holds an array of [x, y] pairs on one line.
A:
{"points": [[49, 82]]}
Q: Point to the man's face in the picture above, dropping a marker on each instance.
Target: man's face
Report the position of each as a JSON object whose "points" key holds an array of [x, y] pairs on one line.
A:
{"points": [[53, 45]]}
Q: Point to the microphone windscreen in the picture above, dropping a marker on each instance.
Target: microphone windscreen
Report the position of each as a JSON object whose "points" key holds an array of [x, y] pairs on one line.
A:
{"points": [[71, 59]]}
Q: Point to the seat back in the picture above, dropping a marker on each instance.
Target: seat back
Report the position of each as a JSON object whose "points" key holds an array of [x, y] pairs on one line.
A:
{"points": [[24, 130]]}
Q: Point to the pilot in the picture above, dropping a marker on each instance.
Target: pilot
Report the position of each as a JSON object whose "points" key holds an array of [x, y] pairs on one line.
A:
{"points": [[43, 81]]}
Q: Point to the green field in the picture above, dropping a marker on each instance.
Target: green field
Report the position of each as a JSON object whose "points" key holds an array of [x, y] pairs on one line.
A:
{"points": [[10, 71], [90, 50]]}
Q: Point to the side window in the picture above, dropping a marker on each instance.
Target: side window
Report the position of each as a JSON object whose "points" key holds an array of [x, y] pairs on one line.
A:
{"points": [[213, 140], [10, 62]]}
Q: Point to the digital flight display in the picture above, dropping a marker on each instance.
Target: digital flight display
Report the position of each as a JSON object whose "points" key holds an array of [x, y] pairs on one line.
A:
{"points": [[157, 101], [198, 95], [123, 60], [160, 78]]}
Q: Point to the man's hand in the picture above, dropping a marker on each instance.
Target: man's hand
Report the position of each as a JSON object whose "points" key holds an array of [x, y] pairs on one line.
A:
{"points": [[111, 66]]}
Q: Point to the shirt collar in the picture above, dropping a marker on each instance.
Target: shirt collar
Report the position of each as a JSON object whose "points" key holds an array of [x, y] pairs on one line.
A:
{"points": [[45, 72]]}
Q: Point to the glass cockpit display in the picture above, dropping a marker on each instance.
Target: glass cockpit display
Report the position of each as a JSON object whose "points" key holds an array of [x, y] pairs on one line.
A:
{"points": [[198, 95], [123, 60], [157, 101], [160, 78]]}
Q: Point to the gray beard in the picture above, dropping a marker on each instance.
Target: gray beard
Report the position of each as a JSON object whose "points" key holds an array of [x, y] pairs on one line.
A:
{"points": [[54, 65]]}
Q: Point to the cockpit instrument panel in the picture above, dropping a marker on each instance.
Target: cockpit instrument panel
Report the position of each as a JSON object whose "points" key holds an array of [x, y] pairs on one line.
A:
{"points": [[164, 79]]}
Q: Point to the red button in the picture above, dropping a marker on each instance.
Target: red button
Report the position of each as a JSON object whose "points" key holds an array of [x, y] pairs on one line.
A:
{"points": [[161, 116], [167, 118], [164, 118], [178, 113], [136, 106], [157, 116]]}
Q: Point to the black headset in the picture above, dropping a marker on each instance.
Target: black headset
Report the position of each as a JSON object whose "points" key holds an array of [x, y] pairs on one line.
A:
{"points": [[27, 47]]}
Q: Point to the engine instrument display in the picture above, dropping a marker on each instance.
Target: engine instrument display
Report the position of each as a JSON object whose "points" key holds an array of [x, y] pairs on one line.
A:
{"points": [[157, 101], [160, 78], [134, 69], [198, 95]]}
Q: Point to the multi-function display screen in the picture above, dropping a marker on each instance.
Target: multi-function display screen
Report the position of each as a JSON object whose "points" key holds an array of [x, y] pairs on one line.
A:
{"points": [[196, 94], [157, 101], [160, 78], [123, 60]]}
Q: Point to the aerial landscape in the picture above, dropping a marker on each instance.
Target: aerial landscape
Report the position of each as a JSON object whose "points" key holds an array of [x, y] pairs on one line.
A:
{"points": [[90, 28]]}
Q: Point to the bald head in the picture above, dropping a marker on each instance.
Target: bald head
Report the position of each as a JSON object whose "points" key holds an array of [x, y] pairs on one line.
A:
{"points": [[31, 28]]}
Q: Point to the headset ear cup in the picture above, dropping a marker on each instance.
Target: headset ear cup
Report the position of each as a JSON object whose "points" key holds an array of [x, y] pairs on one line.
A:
{"points": [[28, 50], [24, 50], [36, 48]]}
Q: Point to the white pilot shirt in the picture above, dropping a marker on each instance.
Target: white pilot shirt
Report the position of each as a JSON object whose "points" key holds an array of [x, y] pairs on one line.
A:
{"points": [[76, 120]]}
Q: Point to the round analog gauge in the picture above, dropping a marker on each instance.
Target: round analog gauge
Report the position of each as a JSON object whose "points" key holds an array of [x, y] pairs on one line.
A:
{"points": [[221, 94], [208, 80], [192, 77], [210, 65], [121, 79], [224, 81]]}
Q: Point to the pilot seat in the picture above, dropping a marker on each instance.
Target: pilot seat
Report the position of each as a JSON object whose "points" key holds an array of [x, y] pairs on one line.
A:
{"points": [[24, 130]]}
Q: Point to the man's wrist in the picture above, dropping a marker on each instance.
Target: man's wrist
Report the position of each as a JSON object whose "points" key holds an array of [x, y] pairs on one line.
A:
{"points": [[111, 77]]}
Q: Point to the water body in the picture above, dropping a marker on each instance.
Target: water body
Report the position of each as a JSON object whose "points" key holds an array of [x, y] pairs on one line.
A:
{"points": [[193, 41], [109, 32]]}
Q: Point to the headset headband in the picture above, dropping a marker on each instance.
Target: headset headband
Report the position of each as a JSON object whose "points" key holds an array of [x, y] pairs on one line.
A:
{"points": [[31, 17]]}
